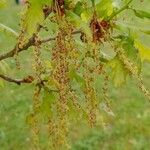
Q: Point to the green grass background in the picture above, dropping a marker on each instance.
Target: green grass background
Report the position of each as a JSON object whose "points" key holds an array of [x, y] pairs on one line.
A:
{"points": [[128, 130]]}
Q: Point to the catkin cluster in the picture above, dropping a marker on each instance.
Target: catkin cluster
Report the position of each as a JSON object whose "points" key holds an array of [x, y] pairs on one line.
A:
{"points": [[70, 66], [60, 62]]}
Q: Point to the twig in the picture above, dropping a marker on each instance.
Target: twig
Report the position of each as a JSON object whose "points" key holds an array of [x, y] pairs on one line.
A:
{"points": [[30, 43], [28, 79], [13, 51], [53, 38]]}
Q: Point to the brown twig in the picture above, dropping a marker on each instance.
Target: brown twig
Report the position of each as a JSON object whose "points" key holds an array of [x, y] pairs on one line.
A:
{"points": [[53, 38], [13, 51], [30, 43], [28, 79]]}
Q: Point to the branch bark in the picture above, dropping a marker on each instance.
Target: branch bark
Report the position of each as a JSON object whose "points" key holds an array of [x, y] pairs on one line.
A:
{"points": [[30, 43], [28, 79], [13, 51]]}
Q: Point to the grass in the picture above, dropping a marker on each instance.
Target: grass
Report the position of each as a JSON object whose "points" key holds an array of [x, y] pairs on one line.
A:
{"points": [[128, 130]]}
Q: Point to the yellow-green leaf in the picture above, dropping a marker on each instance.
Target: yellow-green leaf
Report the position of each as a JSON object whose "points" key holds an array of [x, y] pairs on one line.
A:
{"points": [[104, 8], [33, 17], [143, 50], [142, 14], [119, 73], [46, 106]]}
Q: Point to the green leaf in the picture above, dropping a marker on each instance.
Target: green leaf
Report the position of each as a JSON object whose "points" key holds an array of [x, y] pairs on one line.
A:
{"points": [[41, 2], [77, 77], [34, 15], [74, 18], [78, 8], [143, 50], [119, 73], [86, 15], [8, 30], [117, 4], [146, 32], [131, 51], [104, 8], [1, 83], [139, 27], [142, 14], [93, 2], [47, 103], [3, 67]]}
